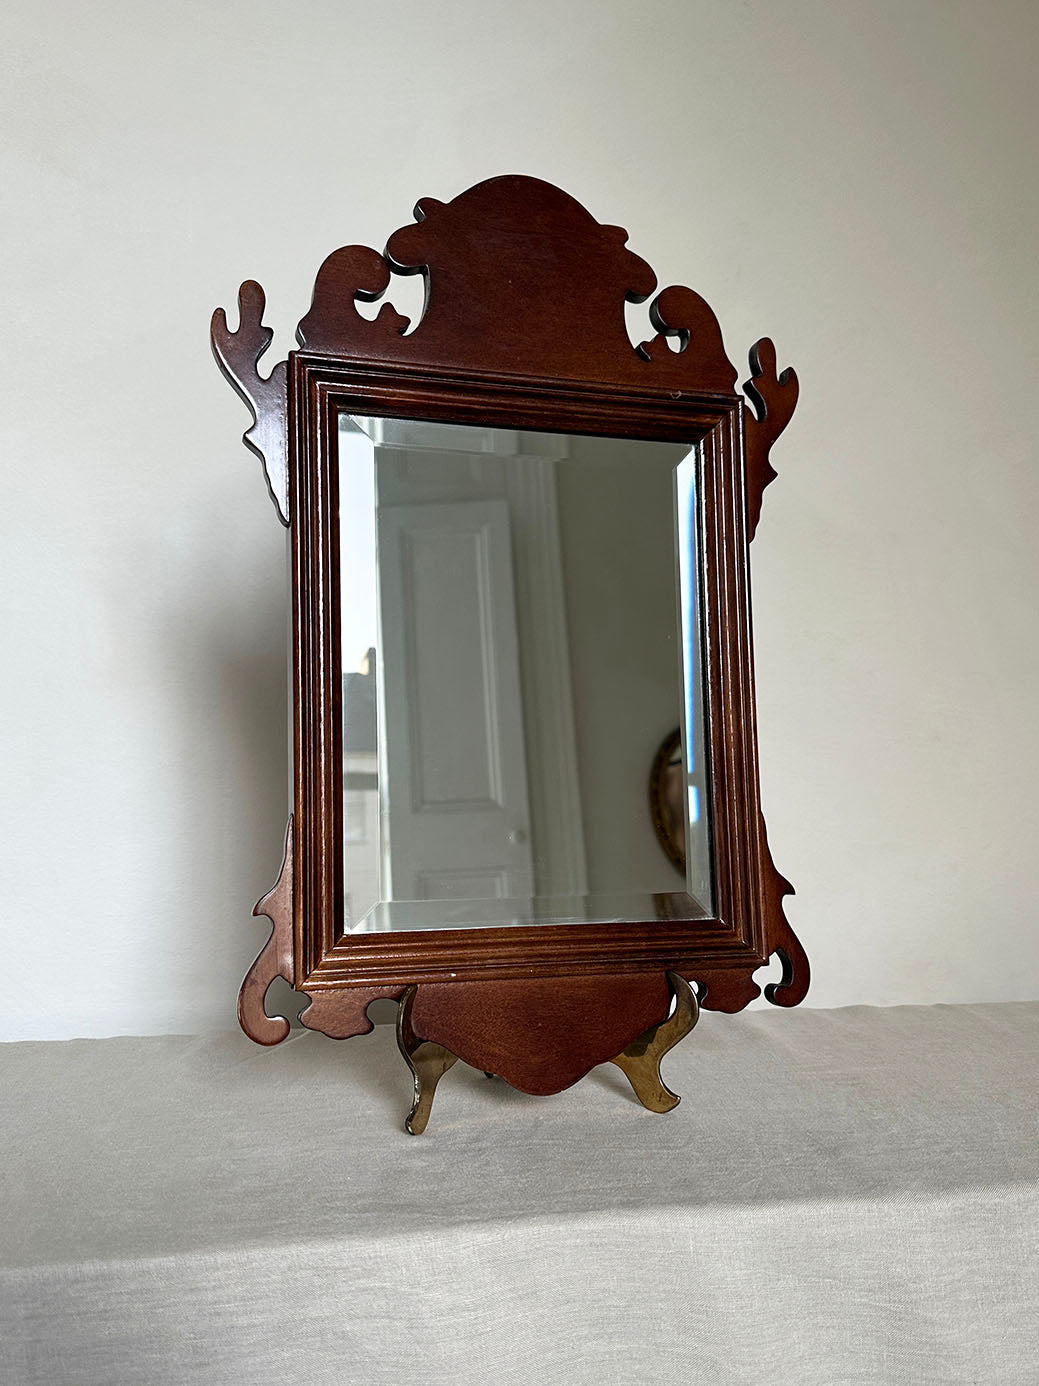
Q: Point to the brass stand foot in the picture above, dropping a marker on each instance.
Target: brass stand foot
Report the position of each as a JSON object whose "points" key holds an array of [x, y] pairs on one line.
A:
{"points": [[428, 1063], [640, 1062]]}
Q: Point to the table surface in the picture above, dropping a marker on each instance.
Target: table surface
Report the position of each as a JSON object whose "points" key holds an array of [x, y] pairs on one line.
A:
{"points": [[842, 1196]]}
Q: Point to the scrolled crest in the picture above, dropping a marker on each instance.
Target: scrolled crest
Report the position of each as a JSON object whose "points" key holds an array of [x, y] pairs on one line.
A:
{"points": [[519, 277], [352, 273]]}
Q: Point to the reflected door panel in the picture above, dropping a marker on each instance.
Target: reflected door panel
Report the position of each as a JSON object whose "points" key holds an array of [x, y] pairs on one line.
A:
{"points": [[520, 619], [456, 774]]}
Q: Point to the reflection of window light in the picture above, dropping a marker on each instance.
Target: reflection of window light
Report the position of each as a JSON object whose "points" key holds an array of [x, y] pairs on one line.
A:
{"points": [[357, 570], [694, 804], [685, 505]]}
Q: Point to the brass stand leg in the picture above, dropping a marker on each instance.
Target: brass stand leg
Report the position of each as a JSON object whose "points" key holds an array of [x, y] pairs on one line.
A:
{"points": [[640, 1062], [428, 1063]]}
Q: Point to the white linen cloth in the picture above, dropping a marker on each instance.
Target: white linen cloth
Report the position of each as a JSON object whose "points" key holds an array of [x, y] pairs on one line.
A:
{"points": [[846, 1196]]}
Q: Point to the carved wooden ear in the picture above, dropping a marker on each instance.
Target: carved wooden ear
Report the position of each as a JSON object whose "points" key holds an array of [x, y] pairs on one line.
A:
{"points": [[792, 987], [238, 354], [351, 273], [774, 398], [274, 959]]}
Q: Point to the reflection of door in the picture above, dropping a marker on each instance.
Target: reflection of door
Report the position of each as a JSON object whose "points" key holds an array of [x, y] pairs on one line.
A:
{"points": [[456, 778]]}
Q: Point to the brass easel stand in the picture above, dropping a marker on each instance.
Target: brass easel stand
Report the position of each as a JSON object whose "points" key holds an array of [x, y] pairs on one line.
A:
{"points": [[428, 1063], [640, 1062]]}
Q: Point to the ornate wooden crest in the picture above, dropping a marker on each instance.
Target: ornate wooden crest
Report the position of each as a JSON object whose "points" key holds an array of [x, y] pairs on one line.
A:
{"points": [[519, 278]]}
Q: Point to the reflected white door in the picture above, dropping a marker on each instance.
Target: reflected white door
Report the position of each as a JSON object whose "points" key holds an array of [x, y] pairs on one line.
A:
{"points": [[453, 747]]}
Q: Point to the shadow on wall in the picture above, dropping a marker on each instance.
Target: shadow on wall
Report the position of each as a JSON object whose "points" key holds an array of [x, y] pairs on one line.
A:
{"points": [[228, 665]]}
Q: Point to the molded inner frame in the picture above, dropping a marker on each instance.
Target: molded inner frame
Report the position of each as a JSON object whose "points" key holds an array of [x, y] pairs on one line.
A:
{"points": [[737, 938]]}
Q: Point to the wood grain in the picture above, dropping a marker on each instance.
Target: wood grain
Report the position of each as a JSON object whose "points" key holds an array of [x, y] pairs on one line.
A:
{"points": [[238, 354], [274, 959], [541, 1036], [519, 278], [774, 398]]}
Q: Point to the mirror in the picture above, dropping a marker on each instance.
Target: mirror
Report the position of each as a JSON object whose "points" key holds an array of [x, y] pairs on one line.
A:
{"points": [[519, 618], [502, 607]]}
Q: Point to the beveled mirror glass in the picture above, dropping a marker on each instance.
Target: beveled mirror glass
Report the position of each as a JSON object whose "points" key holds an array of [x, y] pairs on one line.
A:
{"points": [[519, 617]]}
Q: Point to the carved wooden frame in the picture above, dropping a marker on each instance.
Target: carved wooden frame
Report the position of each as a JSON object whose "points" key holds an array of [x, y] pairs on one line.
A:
{"points": [[513, 267]]}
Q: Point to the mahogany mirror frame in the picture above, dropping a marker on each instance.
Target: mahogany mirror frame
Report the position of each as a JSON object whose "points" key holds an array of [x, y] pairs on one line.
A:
{"points": [[523, 328]]}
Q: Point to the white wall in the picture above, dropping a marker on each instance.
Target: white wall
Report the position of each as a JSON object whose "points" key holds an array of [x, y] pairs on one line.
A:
{"points": [[857, 180]]}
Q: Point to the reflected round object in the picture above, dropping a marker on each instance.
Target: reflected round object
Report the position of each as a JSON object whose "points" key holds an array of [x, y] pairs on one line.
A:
{"points": [[667, 799]]}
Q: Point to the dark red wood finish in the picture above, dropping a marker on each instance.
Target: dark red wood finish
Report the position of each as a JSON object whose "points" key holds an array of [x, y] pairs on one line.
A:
{"points": [[274, 959], [238, 355], [524, 328]]}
